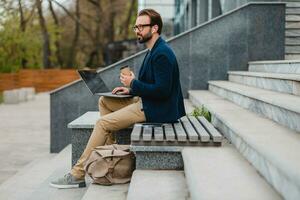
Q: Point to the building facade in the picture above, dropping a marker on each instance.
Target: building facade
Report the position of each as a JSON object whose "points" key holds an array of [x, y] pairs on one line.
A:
{"points": [[190, 13], [167, 10]]}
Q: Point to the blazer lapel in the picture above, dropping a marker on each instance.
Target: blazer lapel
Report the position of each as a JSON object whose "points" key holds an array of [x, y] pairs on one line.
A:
{"points": [[147, 59], [145, 64]]}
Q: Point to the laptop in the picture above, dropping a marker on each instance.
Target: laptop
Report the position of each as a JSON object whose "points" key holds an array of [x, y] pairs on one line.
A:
{"points": [[95, 84]]}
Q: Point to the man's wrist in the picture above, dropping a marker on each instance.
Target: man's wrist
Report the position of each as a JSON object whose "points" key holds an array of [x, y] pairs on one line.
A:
{"points": [[129, 91], [131, 82]]}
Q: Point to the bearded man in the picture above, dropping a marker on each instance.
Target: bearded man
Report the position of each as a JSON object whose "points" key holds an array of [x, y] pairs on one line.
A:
{"points": [[157, 90]]}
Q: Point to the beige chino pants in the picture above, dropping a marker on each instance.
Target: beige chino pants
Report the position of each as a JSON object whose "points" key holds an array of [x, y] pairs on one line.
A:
{"points": [[116, 114]]}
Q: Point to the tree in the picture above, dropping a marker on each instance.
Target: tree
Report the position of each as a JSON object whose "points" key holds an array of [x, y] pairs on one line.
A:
{"points": [[18, 43], [37, 33], [57, 35], [23, 26], [102, 22], [73, 50], [46, 36]]}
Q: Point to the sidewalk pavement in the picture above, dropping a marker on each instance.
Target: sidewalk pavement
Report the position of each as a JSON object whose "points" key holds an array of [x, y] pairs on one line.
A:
{"points": [[24, 134]]}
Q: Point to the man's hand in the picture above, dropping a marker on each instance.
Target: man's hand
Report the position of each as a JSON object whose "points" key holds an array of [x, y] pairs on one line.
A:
{"points": [[120, 90], [126, 80]]}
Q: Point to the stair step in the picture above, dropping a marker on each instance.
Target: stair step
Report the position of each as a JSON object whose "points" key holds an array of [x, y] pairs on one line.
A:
{"points": [[292, 41], [292, 56], [188, 106], [282, 108], [281, 66], [292, 49], [46, 192], [272, 149], [157, 184], [292, 18], [293, 4], [223, 173], [32, 176], [292, 33], [292, 25], [114, 192], [287, 83], [293, 11]]}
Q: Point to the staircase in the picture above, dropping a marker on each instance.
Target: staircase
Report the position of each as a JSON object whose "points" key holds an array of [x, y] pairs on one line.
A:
{"points": [[292, 34], [259, 113]]}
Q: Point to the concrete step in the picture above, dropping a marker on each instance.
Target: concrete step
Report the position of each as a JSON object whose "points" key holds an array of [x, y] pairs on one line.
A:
{"points": [[157, 184], [281, 66], [292, 57], [292, 18], [292, 49], [292, 33], [293, 11], [292, 25], [271, 148], [31, 177], [46, 192], [114, 192], [292, 4], [292, 40], [189, 107], [286, 83], [279, 107], [223, 173]]}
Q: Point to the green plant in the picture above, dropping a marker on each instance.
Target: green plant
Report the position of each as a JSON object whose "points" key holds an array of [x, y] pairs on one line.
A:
{"points": [[201, 111]]}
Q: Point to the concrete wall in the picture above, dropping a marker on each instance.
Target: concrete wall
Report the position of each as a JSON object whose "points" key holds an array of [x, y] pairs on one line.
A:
{"points": [[233, 4], [228, 42], [253, 32], [66, 104]]}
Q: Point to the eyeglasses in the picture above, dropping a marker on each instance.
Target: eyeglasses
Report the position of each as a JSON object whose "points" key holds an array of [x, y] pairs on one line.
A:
{"points": [[140, 27]]}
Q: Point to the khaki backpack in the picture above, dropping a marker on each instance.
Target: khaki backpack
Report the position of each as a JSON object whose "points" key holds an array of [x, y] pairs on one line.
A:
{"points": [[110, 164]]}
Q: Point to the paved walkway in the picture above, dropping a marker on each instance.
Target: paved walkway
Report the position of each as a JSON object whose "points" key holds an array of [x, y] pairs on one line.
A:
{"points": [[24, 134]]}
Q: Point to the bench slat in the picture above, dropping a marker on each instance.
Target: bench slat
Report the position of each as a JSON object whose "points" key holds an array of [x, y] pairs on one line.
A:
{"points": [[136, 132], [204, 136], [147, 133], [217, 137], [169, 132], [158, 134], [181, 135], [190, 131]]}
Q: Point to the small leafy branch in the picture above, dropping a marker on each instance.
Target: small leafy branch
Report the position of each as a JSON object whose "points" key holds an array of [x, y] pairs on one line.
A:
{"points": [[201, 111]]}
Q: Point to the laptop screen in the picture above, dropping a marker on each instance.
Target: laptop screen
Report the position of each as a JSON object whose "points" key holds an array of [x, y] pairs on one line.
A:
{"points": [[93, 82]]}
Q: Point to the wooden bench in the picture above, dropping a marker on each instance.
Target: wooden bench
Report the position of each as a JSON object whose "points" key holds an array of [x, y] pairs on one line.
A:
{"points": [[159, 146], [189, 131]]}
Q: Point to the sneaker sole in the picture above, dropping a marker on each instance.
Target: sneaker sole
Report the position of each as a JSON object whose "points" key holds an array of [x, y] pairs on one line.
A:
{"points": [[80, 185]]}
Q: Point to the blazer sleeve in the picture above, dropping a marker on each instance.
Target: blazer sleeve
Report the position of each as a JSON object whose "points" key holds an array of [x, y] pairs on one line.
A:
{"points": [[163, 79]]}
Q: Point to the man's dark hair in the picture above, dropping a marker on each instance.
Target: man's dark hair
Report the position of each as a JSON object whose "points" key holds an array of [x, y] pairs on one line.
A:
{"points": [[155, 18]]}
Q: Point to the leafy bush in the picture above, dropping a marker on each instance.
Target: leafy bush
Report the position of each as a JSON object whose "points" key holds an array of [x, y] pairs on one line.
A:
{"points": [[201, 111]]}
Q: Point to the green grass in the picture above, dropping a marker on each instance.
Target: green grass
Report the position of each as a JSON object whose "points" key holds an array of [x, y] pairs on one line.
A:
{"points": [[201, 111], [1, 97]]}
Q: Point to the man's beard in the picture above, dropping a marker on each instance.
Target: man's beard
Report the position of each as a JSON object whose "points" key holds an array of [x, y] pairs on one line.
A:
{"points": [[146, 38]]}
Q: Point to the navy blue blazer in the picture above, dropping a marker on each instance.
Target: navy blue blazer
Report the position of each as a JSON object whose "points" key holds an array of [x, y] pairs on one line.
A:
{"points": [[159, 86]]}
